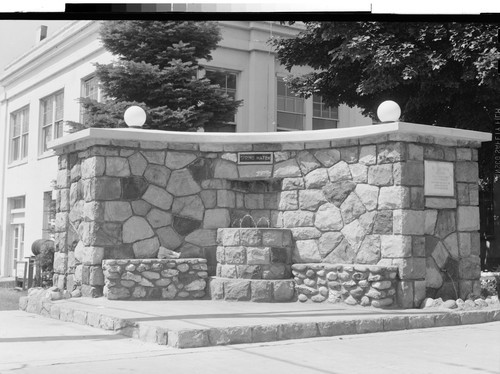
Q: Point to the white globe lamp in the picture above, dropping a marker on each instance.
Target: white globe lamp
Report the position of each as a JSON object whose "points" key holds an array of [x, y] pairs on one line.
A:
{"points": [[134, 116], [388, 111]]}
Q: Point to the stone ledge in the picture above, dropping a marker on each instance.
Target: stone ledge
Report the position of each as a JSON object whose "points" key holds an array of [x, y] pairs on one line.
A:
{"points": [[37, 303], [257, 290], [254, 237]]}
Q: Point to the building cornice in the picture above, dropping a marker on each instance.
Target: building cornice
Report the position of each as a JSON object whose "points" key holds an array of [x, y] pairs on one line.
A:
{"points": [[47, 50]]}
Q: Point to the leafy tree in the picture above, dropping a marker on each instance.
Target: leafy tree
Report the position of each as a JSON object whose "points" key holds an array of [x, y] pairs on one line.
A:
{"points": [[156, 69], [439, 73]]}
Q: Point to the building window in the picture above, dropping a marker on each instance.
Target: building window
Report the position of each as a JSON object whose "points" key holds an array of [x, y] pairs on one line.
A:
{"points": [[324, 117], [90, 90], [51, 118], [226, 81], [290, 113], [49, 216], [19, 130]]}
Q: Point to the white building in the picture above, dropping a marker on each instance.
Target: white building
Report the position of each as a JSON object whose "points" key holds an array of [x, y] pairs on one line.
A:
{"points": [[41, 90]]}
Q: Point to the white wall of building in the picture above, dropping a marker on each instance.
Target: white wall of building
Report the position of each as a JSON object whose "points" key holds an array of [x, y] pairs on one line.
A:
{"points": [[63, 60]]}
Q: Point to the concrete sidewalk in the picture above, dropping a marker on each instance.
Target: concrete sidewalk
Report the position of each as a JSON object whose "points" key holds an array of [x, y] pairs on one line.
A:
{"points": [[200, 323], [31, 344]]}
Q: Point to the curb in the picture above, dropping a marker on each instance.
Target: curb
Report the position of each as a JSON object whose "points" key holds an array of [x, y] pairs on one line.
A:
{"points": [[7, 282], [196, 338]]}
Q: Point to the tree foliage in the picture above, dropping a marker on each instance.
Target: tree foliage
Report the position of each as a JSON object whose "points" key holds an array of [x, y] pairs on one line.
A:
{"points": [[439, 73], [156, 68]]}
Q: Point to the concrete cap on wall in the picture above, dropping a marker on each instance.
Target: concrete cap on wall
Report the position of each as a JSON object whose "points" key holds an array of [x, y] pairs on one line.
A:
{"points": [[270, 137]]}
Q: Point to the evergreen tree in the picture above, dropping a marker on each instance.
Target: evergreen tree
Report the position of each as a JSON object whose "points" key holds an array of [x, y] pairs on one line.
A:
{"points": [[157, 69]]}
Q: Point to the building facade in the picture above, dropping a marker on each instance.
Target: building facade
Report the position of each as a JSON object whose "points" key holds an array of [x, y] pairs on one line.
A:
{"points": [[41, 91]]}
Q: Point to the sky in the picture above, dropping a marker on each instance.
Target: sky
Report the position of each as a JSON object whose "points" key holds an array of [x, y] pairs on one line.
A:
{"points": [[18, 36]]}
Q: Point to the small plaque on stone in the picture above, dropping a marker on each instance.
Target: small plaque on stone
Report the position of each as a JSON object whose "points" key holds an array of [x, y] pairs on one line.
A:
{"points": [[247, 158], [439, 178]]}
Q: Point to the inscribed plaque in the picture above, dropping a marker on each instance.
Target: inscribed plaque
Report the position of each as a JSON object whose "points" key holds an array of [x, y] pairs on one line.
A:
{"points": [[439, 179], [246, 158]]}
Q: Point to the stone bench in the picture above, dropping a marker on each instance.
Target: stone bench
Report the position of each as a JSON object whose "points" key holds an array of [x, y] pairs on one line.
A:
{"points": [[352, 284], [171, 279]]}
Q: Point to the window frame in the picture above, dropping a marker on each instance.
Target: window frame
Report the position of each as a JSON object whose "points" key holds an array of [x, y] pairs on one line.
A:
{"points": [[280, 79], [22, 137], [59, 122], [236, 73], [99, 95], [324, 107]]}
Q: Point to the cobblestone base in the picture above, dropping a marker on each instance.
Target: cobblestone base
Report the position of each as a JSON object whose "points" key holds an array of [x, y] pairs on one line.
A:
{"points": [[352, 284], [155, 278]]}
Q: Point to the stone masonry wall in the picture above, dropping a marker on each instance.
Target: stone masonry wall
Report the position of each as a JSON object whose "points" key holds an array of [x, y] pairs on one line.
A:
{"points": [[254, 253], [352, 284], [354, 201], [155, 279]]}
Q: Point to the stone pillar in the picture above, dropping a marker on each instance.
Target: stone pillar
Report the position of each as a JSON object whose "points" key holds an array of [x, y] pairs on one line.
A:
{"points": [[61, 270], [435, 240]]}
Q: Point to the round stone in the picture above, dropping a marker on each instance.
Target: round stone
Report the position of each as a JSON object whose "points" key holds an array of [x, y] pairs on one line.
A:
{"points": [[142, 267], [323, 291], [357, 292], [334, 285], [481, 303], [320, 273], [183, 268], [311, 273], [302, 298], [350, 300], [331, 276], [359, 276], [344, 276], [439, 302], [363, 283], [427, 303], [318, 298], [310, 282], [322, 282], [449, 304], [365, 301], [130, 267], [298, 281]]}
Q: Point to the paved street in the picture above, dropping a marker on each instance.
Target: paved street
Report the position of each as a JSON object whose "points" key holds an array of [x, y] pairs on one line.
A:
{"points": [[34, 344]]}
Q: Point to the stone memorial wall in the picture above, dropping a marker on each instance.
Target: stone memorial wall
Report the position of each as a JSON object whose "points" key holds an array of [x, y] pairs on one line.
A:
{"points": [[348, 196]]}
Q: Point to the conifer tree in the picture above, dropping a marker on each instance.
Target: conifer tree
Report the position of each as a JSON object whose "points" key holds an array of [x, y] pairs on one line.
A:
{"points": [[156, 68]]}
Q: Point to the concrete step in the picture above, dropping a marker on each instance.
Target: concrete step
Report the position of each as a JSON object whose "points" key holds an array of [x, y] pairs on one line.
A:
{"points": [[201, 323]]}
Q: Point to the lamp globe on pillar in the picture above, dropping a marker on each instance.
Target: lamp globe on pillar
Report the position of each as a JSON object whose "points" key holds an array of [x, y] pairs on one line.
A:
{"points": [[388, 111], [134, 117]]}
